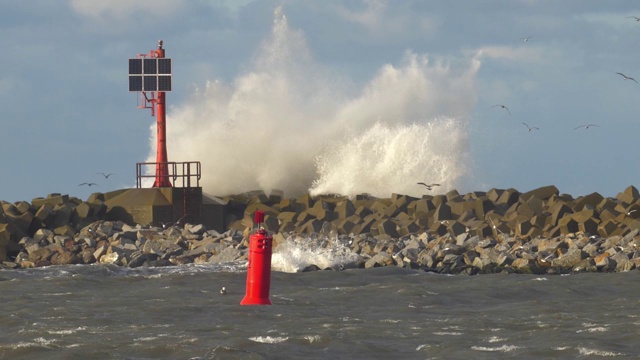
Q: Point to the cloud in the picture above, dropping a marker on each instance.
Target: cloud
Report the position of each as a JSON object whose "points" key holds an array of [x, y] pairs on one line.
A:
{"points": [[369, 17], [122, 9], [524, 53]]}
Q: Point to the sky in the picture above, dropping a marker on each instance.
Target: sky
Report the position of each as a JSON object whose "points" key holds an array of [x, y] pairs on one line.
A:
{"points": [[327, 96]]}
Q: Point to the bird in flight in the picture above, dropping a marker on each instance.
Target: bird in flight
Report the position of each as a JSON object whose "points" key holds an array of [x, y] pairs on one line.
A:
{"points": [[428, 186], [88, 184], [586, 126], [634, 17], [106, 176], [531, 127], [526, 39], [626, 77], [170, 224], [504, 107]]}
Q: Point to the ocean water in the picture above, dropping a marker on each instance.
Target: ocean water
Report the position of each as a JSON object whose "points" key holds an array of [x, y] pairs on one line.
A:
{"points": [[107, 312]]}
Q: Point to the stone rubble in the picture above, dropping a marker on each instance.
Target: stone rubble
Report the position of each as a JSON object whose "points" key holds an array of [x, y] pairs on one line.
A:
{"points": [[537, 232]]}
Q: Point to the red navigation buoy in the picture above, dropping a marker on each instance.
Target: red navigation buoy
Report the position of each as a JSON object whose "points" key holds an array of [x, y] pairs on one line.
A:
{"points": [[259, 268]]}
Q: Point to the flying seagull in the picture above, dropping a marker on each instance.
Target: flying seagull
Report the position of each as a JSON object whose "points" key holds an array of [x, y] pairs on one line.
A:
{"points": [[170, 224], [525, 39], [531, 127], [634, 17], [88, 184], [106, 176], [428, 186], [504, 107], [626, 77], [586, 126]]}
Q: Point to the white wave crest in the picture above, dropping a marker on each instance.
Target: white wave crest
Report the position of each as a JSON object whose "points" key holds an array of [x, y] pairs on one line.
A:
{"points": [[298, 252], [269, 339], [503, 348]]}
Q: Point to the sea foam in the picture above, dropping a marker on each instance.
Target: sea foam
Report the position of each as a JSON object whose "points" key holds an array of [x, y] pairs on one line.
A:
{"points": [[292, 124]]}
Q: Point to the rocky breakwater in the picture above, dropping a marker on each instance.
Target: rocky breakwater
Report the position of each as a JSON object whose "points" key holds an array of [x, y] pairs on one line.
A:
{"points": [[501, 230]]}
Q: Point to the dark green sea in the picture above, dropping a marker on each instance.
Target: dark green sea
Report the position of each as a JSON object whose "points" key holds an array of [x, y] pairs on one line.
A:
{"points": [[108, 312]]}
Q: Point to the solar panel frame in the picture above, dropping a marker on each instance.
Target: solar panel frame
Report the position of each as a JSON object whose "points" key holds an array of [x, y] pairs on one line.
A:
{"points": [[150, 74]]}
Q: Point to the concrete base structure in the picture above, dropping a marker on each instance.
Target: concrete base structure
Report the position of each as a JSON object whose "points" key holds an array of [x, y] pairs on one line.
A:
{"points": [[166, 205]]}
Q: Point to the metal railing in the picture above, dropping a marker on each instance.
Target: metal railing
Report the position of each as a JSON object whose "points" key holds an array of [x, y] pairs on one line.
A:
{"points": [[182, 173]]}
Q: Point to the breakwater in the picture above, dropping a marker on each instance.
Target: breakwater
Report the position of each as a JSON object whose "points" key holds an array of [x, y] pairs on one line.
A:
{"points": [[502, 230]]}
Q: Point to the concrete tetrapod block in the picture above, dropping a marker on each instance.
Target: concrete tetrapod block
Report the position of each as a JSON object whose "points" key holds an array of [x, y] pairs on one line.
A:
{"points": [[364, 226], [536, 205], [322, 214], [363, 211], [568, 225], [592, 199], [276, 196], [474, 195], [287, 216], [22, 221], [443, 212], [255, 206], [304, 216], [305, 201], [5, 241], [482, 207], [410, 227], [589, 226], [271, 223], [525, 211], [456, 228], [438, 228], [323, 204], [344, 209], [508, 197], [51, 199], [494, 194], [559, 210], [344, 226], [629, 196], [379, 206], [609, 228], [542, 193], [608, 214], [423, 207], [459, 207], [525, 229], [288, 205], [387, 227]]}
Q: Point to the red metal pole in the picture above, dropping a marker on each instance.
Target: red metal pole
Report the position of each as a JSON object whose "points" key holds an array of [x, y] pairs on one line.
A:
{"points": [[162, 168]]}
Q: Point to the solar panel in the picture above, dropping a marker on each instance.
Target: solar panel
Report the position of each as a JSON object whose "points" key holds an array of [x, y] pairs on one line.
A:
{"points": [[164, 66], [164, 83], [150, 83], [150, 74], [135, 66], [150, 66], [135, 83]]}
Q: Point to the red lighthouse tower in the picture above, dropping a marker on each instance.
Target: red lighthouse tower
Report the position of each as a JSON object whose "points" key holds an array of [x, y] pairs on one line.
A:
{"points": [[150, 74]]}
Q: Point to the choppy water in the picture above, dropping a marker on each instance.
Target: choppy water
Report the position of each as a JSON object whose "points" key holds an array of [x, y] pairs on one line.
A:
{"points": [[103, 312]]}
